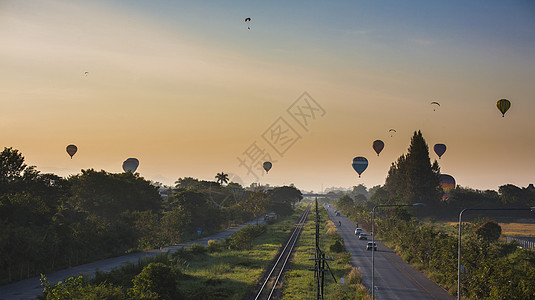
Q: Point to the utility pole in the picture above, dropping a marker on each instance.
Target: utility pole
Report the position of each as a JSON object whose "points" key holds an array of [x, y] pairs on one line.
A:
{"points": [[319, 260]]}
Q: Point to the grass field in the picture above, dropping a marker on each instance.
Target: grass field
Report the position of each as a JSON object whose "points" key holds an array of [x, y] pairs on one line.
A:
{"points": [[510, 229], [232, 274]]}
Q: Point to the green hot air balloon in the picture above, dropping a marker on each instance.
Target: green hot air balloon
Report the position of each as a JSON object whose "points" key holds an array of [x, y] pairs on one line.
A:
{"points": [[503, 105]]}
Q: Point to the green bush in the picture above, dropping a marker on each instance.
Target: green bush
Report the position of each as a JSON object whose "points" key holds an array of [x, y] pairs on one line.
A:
{"points": [[338, 246], [243, 238], [79, 288], [197, 249], [156, 281], [216, 246]]}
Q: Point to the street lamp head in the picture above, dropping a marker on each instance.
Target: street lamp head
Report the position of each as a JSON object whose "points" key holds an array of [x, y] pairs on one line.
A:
{"points": [[419, 204]]}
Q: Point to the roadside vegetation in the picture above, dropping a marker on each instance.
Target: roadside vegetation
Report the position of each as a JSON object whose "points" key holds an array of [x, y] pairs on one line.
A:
{"points": [[226, 269], [48, 222], [492, 268], [299, 281]]}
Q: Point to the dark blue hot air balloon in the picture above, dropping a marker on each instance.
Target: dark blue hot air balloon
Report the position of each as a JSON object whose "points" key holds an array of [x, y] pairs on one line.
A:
{"points": [[439, 149], [360, 164]]}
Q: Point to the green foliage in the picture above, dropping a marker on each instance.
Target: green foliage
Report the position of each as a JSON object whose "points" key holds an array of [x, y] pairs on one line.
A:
{"points": [[197, 249], [345, 202], [514, 196], [196, 208], [156, 281], [49, 223], [282, 200], [216, 246], [116, 193], [12, 169], [338, 246], [489, 231], [243, 238], [255, 203], [412, 179], [74, 288]]}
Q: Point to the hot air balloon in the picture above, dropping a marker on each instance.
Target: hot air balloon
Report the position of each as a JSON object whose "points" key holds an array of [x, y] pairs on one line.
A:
{"points": [[71, 150], [439, 149], [360, 164], [503, 105], [130, 165], [392, 132], [378, 146], [435, 104], [267, 166], [248, 21], [447, 183]]}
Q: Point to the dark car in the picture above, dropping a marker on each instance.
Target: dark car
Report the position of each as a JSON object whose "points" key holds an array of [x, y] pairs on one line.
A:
{"points": [[363, 236]]}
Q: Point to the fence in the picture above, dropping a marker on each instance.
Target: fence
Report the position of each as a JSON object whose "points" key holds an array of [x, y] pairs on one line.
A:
{"points": [[525, 242]]}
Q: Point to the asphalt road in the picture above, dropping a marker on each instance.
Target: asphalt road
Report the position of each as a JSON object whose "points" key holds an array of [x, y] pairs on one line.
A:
{"points": [[31, 288], [394, 278]]}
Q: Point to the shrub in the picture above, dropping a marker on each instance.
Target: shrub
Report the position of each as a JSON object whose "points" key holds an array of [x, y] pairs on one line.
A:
{"points": [[243, 238], [197, 249], [338, 246], [355, 277], [216, 246], [156, 281]]}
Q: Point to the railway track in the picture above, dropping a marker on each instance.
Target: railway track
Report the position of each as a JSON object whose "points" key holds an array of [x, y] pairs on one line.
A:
{"points": [[274, 276]]}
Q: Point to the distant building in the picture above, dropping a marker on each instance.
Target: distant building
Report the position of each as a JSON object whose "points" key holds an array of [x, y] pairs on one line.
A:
{"points": [[164, 192]]}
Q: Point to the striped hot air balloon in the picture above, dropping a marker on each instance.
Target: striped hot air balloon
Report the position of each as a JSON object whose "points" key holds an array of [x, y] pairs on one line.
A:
{"points": [[130, 165], [360, 164], [503, 105], [71, 150]]}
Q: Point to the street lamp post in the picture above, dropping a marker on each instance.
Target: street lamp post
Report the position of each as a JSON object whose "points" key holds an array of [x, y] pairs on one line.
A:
{"points": [[373, 239], [460, 233]]}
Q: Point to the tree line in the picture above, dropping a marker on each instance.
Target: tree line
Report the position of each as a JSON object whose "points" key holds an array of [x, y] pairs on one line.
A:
{"points": [[48, 222], [492, 269]]}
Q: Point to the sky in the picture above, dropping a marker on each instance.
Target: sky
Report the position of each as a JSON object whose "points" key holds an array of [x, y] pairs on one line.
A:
{"points": [[191, 89]]}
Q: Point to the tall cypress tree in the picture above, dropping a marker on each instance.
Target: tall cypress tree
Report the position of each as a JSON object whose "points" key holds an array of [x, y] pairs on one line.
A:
{"points": [[413, 179]]}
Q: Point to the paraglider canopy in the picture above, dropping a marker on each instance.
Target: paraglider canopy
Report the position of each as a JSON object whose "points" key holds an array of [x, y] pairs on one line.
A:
{"points": [[439, 149], [503, 105], [378, 146], [435, 104], [130, 165], [71, 150], [360, 164], [248, 20], [267, 166], [392, 132]]}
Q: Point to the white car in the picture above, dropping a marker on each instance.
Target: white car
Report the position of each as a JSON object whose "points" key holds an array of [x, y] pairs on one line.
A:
{"points": [[358, 231], [371, 246]]}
